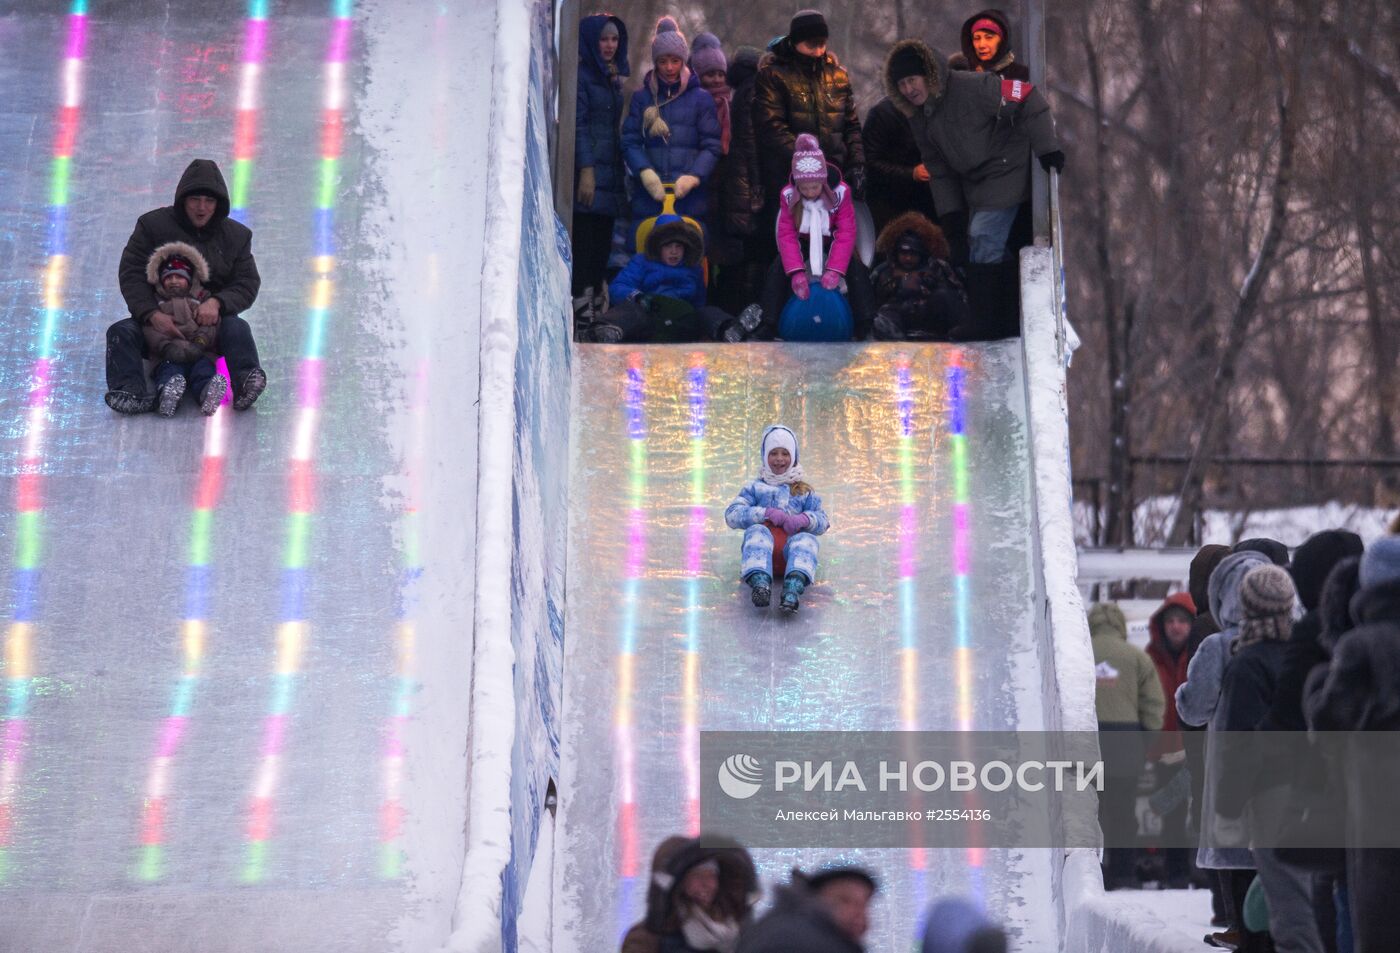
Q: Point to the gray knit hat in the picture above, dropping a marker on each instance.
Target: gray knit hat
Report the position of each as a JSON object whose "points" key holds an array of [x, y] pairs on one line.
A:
{"points": [[707, 55], [669, 40], [1267, 596], [1380, 564]]}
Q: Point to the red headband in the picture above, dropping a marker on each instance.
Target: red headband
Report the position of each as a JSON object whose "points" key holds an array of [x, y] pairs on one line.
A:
{"points": [[991, 26]]}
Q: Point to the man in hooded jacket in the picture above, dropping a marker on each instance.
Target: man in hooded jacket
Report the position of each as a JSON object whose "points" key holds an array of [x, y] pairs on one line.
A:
{"points": [[976, 133], [199, 216]]}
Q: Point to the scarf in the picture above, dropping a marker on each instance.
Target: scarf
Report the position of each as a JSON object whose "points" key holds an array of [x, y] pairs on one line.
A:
{"points": [[652, 122], [722, 98], [792, 475], [816, 225], [702, 933]]}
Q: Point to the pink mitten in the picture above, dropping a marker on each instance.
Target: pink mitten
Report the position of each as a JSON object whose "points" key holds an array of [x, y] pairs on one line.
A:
{"points": [[775, 516], [831, 280], [800, 287], [797, 523]]}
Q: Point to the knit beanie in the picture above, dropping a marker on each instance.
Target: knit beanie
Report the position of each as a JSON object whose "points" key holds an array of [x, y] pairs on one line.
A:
{"points": [[775, 437], [988, 24], [806, 26], [1266, 596], [669, 41], [707, 55], [906, 62], [1380, 566], [177, 265], [808, 162]]}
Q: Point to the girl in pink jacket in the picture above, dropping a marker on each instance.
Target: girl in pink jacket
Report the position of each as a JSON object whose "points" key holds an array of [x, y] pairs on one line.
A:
{"points": [[816, 230]]}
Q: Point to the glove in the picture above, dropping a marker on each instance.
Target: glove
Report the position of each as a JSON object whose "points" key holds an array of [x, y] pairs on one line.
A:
{"points": [[641, 300], [1053, 160], [775, 516], [685, 185], [856, 180], [800, 286], [921, 173], [831, 280], [587, 185], [652, 183], [796, 522]]}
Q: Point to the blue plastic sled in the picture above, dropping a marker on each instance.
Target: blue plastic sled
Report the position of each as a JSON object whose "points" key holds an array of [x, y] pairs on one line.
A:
{"points": [[824, 316]]}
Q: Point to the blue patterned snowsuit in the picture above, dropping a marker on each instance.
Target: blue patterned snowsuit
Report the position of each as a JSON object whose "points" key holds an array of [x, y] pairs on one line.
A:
{"points": [[746, 513]]}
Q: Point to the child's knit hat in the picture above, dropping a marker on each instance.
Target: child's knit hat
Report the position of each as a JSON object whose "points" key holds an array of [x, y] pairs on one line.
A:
{"points": [[707, 55], [177, 265], [669, 40], [778, 437], [808, 161]]}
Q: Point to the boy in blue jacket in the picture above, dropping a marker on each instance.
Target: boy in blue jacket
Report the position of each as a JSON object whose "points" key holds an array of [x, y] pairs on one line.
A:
{"points": [[660, 295]]}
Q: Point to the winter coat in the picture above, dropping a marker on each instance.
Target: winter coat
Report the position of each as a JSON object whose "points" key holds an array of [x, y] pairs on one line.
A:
{"points": [[1171, 668], [199, 339], [839, 245], [742, 195], [226, 245], [756, 496], [1127, 692], [796, 923], [738, 888], [1006, 65], [639, 939], [1197, 700], [691, 148], [976, 133], [890, 157], [646, 273], [598, 116], [1246, 693], [797, 94], [1202, 565], [915, 287]]}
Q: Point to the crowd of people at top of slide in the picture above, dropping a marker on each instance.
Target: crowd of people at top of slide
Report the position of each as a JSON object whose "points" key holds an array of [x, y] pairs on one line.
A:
{"points": [[739, 196], [1264, 640], [703, 890]]}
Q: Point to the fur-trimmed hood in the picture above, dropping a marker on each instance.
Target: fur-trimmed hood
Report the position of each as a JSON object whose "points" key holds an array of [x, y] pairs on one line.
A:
{"points": [[935, 71], [934, 242], [673, 228], [184, 250]]}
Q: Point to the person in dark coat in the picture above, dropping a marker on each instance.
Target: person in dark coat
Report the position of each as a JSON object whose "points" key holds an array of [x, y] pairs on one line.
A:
{"points": [[600, 194], [955, 925], [898, 178], [640, 939], [987, 46], [918, 294], [1276, 551], [703, 900], [1251, 784], [825, 912], [801, 88], [671, 136], [976, 133], [1169, 630], [1360, 691], [198, 217], [741, 193]]}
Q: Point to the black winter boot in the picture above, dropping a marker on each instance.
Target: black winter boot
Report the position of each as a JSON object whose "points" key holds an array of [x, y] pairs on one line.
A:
{"points": [[793, 585], [762, 585]]}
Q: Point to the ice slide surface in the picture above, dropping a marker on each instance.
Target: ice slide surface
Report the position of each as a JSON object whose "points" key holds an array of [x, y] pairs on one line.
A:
{"points": [[922, 615], [234, 695]]}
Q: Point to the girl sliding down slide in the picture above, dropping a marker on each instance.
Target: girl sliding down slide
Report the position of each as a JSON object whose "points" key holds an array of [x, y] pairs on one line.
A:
{"points": [[778, 512]]}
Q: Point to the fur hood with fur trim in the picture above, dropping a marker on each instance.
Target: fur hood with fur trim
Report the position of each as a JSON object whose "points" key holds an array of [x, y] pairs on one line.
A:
{"points": [[935, 70], [185, 250], [929, 234]]}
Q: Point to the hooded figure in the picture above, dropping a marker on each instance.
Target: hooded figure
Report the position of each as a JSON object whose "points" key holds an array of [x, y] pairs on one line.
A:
{"points": [[671, 135], [742, 196], [918, 294], [598, 116], [226, 246], [646, 273], [796, 922], [1197, 701], [1003, 62], [778, 510], [681, 922], [198, 340], [955, 925], [1202, 565], [640, 938]]}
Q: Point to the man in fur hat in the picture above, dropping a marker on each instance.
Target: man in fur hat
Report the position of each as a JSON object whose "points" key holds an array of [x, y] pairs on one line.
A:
{"points": [[198, 217]]}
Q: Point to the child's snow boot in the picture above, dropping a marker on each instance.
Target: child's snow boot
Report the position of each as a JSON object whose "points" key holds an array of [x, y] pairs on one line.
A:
{"points": [[213, 394], [793, 585], [170, 395], [762, 585]]}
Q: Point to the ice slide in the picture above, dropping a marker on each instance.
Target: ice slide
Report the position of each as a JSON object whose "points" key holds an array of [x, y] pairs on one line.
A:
{"points": [[294, 679]]}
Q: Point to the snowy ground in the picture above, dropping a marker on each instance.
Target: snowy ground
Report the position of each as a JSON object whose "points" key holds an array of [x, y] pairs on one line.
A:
{"points": [[1184, 913]]}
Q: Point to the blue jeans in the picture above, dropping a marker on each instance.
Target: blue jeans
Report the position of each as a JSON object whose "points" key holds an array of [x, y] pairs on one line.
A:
{"points": [[197, 375], [987, 234]]}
